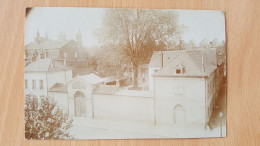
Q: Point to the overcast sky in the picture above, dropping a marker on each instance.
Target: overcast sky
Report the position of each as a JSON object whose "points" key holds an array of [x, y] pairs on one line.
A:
{"points": [[52, 21]]}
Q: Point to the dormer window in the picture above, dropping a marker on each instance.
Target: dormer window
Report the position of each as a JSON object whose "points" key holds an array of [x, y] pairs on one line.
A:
{"points": [[179, 69]]}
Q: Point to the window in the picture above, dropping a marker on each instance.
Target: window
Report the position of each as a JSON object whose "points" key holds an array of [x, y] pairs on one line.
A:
{"points": [[25, 84], [178, 71], [41, 84], [33, 84], [179, 91]]}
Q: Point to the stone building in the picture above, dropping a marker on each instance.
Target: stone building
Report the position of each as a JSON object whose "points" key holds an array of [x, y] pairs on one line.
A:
{"points": [[40, 75], [186, 84], [61, 49]]}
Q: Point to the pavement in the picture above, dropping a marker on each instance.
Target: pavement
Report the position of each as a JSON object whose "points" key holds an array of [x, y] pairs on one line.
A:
{"points": [[220, 106], [109, 129]]}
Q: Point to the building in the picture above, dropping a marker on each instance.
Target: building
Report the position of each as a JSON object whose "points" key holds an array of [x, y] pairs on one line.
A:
{"points": [[80, 95], [186, 84], [42, 74], [46, 48]]}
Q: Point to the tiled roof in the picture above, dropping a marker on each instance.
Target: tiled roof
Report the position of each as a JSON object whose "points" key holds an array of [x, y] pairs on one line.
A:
{"points": [[44, 65], [91, 78], [134, 93], [116, 90], [50, 44], [200, 62], [109, 79], [105, 89], [59, 87], [156, 59]]}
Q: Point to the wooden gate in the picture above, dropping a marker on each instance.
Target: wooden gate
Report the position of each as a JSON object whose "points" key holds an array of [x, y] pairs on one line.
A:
{"points": [[179, 115], [80, 104]]}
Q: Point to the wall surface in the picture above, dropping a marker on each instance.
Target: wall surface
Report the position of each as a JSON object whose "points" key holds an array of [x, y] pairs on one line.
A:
{"points": [[62, 100], [123, 108], [37, 76], [189, 93], [243, 37], [61, 76]]}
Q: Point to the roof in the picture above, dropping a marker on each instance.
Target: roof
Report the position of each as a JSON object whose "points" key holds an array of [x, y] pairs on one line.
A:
{"points": [[105, 89], [135, 93], [59, 87], [90, 78], [116, 90], [156, 59], [109, 79], [50, 44], [44, 65], [199, 63]]}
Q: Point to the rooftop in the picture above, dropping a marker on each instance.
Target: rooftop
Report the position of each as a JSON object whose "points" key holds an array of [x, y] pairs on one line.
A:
{"points": [[199, 62], [59, 87], [105, 89], [116, 90], [90, 78], [49, 44], [44, 65]]}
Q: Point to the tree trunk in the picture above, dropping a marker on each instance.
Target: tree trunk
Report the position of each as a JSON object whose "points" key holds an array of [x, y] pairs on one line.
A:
{"points": [[135, 85]]}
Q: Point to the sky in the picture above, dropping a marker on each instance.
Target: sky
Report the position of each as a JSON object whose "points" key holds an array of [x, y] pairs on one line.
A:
{"points": [[200, 24]]}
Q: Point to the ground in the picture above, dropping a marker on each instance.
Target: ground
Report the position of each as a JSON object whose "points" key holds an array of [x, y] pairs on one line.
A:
{"points": [[107, 129], [220, 106]]}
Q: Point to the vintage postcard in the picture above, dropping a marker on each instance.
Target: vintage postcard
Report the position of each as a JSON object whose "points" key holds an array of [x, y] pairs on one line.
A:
{"points": [[104, 73]]}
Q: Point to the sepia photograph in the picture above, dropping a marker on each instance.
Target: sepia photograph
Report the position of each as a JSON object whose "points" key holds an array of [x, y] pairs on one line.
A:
{"points": [[112, 73]]}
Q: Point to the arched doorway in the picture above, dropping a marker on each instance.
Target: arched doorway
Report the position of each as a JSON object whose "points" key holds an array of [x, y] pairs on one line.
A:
{"points": [[80, 104], [178, 115]]}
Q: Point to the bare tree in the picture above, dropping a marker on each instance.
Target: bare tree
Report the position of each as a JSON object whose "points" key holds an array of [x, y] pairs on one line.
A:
{"points": [[136, 31]]}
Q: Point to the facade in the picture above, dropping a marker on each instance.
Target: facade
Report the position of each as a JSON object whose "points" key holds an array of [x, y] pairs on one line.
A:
{"points": [[186, 84], [42, 74], [80, 95], [46, 48]]}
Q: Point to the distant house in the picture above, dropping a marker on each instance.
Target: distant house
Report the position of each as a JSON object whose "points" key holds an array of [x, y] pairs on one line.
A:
{"points": [[185, 85], [41, 75], [45, 48]]}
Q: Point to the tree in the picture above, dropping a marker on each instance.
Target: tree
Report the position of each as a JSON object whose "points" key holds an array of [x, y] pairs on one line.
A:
{"points": [[192, 43], [138, 32], [44, 120], [204, 43], [215, 43]]}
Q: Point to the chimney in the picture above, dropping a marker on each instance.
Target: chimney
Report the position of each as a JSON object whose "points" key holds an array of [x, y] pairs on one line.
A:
{"points": [[34, 57], [45, 54], [65, 62], [53, 62], [162, 58], [202, 65]]}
